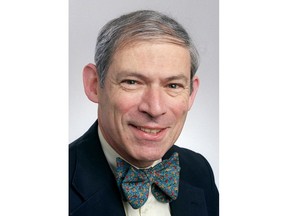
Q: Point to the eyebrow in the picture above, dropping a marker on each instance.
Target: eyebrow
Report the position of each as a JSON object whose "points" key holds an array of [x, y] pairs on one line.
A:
{"points": [[177, 77], [130, 73], [143, 77]]}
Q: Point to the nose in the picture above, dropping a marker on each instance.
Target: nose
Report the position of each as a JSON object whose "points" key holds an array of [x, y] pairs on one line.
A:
{"points": [[153, 102]]}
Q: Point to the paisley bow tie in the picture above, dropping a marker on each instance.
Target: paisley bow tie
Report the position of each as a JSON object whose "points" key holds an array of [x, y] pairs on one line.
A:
{"points": [[134, 183]]}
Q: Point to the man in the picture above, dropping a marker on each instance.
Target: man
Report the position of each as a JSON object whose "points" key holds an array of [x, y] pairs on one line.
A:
{"points": [[144, 83]]}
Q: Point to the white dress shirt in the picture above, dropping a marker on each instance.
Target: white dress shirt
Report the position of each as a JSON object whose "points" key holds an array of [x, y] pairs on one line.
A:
{"points": [[152, 207]]}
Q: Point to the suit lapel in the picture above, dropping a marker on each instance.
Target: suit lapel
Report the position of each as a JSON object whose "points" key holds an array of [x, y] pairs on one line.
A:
{"points": [[94, 181], [190, 200]]}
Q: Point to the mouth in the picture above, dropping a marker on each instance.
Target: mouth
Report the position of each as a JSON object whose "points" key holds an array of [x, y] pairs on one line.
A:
{"points": [[149, 133], [149, 130]]}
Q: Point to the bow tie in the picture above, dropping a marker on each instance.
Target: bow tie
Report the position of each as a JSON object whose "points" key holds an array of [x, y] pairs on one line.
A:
{"points": [[134, 183]]}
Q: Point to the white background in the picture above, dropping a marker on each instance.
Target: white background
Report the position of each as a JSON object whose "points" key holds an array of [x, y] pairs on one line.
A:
{"points": [[34, 107], [199, 17]]}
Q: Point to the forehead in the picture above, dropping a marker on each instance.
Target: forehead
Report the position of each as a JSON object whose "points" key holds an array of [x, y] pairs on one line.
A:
{"points": [[151, 58]]}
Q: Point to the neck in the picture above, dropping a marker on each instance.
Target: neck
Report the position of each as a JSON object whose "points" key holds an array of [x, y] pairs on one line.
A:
{"points": [[141, 164]]}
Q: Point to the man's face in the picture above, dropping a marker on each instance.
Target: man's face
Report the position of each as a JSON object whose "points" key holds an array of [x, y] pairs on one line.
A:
{"points": [[145, 100]]}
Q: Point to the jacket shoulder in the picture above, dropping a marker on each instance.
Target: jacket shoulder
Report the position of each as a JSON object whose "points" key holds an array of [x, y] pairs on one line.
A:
{"points": [[194, 167], [197, 172]]}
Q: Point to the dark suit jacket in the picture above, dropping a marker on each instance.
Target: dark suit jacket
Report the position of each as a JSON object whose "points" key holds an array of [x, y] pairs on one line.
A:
{"points": [[93, 189]]}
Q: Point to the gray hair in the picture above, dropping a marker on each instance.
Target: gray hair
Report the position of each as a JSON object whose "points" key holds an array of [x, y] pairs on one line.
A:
{"points": [[144, 25]]}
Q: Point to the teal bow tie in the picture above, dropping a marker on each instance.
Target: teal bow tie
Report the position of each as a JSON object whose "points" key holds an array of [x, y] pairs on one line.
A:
{"points": [[134, 183]]}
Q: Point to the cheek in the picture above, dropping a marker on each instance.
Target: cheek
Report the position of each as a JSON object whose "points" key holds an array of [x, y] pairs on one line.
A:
{"points": [[180, 111], [120, 105], [123, 102], [181, 106]]}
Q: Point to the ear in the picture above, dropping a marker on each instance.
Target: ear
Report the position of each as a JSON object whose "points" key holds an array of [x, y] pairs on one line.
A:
{"points": [[91, 82], [195, 83]]}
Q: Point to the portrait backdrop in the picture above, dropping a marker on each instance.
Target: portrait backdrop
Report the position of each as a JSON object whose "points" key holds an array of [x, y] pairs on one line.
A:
{"points": [[199, 17]]}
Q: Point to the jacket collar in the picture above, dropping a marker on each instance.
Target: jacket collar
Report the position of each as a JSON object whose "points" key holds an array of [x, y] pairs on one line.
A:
{"points": [[93, 178], [191, 199]]}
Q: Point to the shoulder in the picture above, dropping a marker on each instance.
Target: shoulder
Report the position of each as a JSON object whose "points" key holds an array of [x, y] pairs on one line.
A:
{"points": [[197, 172], [86, 144], [189, 156], [90, 134], [84, 148], [195, 168]]}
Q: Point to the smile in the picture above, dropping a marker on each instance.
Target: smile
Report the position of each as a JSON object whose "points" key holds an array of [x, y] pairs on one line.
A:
{"points": [[149, 130]]}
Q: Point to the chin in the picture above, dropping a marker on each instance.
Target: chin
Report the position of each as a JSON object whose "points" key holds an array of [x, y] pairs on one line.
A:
{"points": [[150, 156]]}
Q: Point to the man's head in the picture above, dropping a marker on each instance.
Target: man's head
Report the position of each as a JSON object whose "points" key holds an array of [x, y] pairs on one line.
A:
{"points": [[142, 82]]}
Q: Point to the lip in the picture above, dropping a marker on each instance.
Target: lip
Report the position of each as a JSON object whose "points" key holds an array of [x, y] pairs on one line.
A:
{"points": [[149, 133], [153, 131]]}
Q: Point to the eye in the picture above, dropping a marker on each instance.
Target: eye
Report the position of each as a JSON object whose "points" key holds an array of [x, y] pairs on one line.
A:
{"points": [[173, 86], [129, 82]]}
